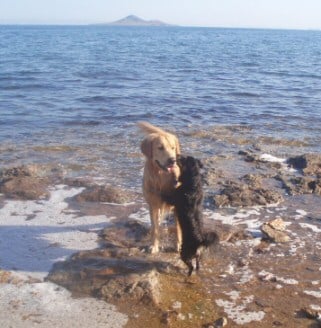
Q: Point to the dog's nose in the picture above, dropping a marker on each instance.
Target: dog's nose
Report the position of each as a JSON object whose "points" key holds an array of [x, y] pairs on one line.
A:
{"points": [[171, 161]]}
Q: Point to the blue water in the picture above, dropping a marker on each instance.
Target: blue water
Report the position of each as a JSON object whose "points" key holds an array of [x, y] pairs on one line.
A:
{"points": [[84, 87]]}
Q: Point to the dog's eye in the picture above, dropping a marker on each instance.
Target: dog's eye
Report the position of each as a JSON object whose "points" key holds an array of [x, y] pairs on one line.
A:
{"points": [[161, 147]]}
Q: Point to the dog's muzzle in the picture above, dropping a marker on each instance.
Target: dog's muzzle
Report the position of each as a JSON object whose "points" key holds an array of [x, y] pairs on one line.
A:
{"points": [[170, 165]]}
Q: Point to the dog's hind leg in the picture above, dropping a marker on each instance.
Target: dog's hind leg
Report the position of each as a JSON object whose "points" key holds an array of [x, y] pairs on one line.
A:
{"points": [[190, 267], [197, 258], [188, 261], [179, 235]]}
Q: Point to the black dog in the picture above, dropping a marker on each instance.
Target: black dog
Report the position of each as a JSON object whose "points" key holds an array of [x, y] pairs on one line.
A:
{"points": [[188, 199]]}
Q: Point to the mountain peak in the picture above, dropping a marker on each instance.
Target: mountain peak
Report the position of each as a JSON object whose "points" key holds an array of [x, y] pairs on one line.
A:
{"points": [[133, 20]]}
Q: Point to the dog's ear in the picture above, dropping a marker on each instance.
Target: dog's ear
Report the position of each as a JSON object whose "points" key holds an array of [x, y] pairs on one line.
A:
{"points": [[147, 147]]}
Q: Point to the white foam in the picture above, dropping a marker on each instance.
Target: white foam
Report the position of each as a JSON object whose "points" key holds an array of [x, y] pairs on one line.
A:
{"points": [[237, 312], [268, 276], [35, 234], [315, 307], [300, 214], [313, 293], [142, 215], [313, 227], [272, 159], [249, 217]]}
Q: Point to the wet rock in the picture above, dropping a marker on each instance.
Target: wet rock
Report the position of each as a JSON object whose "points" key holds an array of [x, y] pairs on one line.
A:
{"points": [[105, 194], [274, 230], [23, 183], [126, 235], [248, 156], [240, 194], [118, 272], [221, 322], [310, 164], [110, 276], [310, 314], [301, 185]]}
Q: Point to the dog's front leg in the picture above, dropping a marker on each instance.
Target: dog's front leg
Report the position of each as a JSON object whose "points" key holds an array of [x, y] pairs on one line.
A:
{"points": [[155, 215]]}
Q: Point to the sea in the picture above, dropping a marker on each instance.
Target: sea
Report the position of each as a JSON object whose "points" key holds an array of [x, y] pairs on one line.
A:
{"points": [[71, 95]]}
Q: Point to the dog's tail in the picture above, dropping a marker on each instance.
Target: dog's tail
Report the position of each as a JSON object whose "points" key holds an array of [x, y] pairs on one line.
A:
{"points": [[148, 128], [210, 239]]}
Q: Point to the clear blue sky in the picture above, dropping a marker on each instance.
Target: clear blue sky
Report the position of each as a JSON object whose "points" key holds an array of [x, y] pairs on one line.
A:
{"points": [[298, 14]]}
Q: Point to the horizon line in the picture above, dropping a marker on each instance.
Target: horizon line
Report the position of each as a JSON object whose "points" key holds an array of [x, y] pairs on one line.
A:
{"points": [[166, 26]]}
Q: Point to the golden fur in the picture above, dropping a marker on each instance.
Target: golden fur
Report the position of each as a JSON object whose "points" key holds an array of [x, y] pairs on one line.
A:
{"points": [[161, 174]]}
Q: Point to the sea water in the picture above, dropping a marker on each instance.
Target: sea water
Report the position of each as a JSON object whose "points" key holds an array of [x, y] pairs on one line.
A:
{"points": [[71, 95]]}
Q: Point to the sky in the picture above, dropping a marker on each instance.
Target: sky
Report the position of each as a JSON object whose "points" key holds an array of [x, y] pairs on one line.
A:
{"points": [[289, 14]]}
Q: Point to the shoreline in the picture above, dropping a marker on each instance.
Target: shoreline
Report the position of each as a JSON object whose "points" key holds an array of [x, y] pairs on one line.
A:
{"points": [[70, 223]]}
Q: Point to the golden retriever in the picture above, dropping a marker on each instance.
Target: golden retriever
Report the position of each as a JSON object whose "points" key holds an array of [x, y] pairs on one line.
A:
{"points": [[161, 174]]}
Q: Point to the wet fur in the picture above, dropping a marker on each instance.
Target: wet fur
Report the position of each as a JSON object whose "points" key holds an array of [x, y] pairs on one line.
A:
{"points": [[188, 199]]}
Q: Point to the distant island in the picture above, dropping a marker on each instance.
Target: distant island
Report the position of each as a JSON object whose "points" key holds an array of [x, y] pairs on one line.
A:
{"points": [[133, 20]]}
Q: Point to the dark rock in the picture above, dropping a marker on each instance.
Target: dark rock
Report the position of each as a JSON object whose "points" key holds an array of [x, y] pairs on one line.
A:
{"points": [[310, 164], [309, 314], [221, 322], [248, 157]]}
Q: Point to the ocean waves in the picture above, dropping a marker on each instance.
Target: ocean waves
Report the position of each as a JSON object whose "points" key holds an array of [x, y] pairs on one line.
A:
{"points": [[70, 85]]}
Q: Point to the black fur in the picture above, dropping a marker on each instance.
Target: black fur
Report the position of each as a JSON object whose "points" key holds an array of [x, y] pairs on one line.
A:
{"points": [[188, 200]]}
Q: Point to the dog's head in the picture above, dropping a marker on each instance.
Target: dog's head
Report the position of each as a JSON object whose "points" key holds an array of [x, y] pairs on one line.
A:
{"points": [[190, 165], [161, 149]]}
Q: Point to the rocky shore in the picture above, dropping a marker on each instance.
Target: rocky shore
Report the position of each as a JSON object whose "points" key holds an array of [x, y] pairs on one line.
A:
{"points": [[265, 272]]}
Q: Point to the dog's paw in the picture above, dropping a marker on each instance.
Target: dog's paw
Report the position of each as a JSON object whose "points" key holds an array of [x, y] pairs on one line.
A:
{"points": [[154, 249]]}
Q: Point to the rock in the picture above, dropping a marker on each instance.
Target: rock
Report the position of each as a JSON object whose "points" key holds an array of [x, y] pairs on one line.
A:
{"points": [[238, 194], [110, 275], [106, 194], [310, 314], [273, 230], [301, 185], [219, 323], [310, 164], [23, 183], [277, 224], [248, 157], [131, 233]]}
